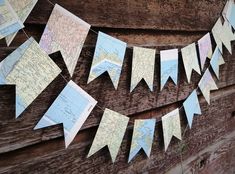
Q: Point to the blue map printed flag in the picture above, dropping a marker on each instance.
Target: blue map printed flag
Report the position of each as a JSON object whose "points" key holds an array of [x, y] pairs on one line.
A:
{"points": [[229, 12], [191, 107], [31, 70], [216, 61], [109, 56], [72, 107], [142, 137], [169, 66]]}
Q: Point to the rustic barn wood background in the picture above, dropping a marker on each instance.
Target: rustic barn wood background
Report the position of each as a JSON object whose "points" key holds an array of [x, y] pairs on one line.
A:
{"points": [[209, 147]]}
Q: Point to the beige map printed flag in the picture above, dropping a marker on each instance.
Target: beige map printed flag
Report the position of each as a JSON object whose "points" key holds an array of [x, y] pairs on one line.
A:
{"points": [[66, 33], [171, 127], [206, 85], [110, 133], [143, 64], [223, 35], [22, 8], [190, 60], [31, 70]]}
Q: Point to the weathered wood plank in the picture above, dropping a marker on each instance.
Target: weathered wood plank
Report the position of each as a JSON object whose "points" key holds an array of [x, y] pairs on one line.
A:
{"points": [[51, 157], [217, 158], [159, 15]]}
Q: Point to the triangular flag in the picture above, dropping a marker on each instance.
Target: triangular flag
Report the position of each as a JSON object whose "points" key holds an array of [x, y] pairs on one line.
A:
{"points": [[142, 137], [206, 85], [31, 70], [110, 133], [143, 64], [216, 61], [190, 60], [169, 66], [71, 107], [66, 33], [229, 12], [223, 34], [22, 9], [171, 127], [109, 56], [10, 23], [192, 107], [205, 48]]}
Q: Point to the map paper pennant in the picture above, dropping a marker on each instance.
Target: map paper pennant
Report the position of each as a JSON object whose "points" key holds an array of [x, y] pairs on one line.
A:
{"points": [[192, 107], [169, 66], [216, 61], [190, 60], [223, 35], [205, 48], [22, 8], [9, 21], [31, 70], [171, 127], [71, 107], [142, 137], [66, 33], [143, 64], [206, 85], [110, 133], [109, 56], [229, 12]]}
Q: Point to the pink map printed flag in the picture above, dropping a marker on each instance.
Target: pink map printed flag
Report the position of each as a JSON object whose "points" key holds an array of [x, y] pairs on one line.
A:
{"points": [[66, 33], [205, 48]]}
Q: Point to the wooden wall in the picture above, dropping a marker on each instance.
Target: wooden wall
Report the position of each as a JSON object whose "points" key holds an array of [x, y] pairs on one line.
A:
{"points": [[209, 147]]}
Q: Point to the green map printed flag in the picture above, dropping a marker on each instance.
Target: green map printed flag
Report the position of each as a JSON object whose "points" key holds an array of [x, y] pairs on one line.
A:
{"points": [[142, 137], [171, 127], [110, 133], [223, 35], [22, 8], [108, 57], [9, 21], [206, 85], [190, 60], [143, 64], [31, 70]]}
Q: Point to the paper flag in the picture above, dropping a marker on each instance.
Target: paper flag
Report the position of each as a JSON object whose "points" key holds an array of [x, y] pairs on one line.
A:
{"points": [[66, 33], [143, 64], [169, 66], [216, 61], [229, 12], [71, 107], [223, 35], [110, 133], [109, 56], [31, 70], [142, 137], [205, 48], [192, 107], [171, 127], [9, 21], [206, 85], [190, 60], [22, 8]]}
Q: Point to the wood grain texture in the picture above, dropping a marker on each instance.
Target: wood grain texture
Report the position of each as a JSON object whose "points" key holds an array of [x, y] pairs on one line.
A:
{"points": [[157, 24]]}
